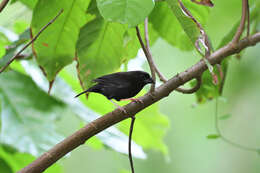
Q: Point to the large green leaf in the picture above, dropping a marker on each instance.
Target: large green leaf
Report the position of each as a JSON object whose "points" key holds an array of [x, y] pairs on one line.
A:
{"points": [[103, 46], [99, 49], [29, 3], [55, 48], [130, 12], [200, 13], [27, 114], [168, 27], [16, 161]]}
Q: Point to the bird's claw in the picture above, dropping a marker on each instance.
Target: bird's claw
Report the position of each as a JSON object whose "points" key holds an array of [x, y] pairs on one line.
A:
{"points": [[123, 110], [134, 100]]}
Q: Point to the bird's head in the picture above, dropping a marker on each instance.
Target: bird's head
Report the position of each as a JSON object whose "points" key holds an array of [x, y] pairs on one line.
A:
{"points": [[145, 77]]}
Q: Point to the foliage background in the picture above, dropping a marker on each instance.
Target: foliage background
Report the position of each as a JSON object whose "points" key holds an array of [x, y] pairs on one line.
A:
{"points": [[188, 148]]}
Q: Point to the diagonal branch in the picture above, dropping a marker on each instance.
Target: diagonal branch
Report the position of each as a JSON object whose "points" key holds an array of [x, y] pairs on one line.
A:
{"points": [[111, 118], [28, 44], [147, 55], [3, 5]]}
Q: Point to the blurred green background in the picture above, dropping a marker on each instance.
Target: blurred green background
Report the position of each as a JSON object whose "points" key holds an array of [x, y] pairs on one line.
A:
{"points": [[189, 149]]}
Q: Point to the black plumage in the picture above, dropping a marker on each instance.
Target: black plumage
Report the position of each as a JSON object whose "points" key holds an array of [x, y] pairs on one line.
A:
{"points": [[121, 85]]}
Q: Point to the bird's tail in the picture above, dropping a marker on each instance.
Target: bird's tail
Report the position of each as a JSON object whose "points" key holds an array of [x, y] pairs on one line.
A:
{"points": [[86, 91], [95, 88]]}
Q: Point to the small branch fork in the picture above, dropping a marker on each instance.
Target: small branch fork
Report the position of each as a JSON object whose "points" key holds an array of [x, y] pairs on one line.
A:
{"points": [[240, 29], [29, 43], [154, 69]]}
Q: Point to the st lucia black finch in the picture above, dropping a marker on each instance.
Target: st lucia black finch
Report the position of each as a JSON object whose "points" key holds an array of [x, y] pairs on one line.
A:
{"points": [[121, 85]]}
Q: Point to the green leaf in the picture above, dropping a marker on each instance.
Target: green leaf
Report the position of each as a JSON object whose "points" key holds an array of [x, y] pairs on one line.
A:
{"points": [[20, 26], [199, 12], [4, 167], [224, 117], [125, 171], [29, 3], [207, 90], [55, 48], [130, 12], [27, 114], [100, 49], [2, 50], [17, 161], [213, 136], [168, 27], [23, 38]]}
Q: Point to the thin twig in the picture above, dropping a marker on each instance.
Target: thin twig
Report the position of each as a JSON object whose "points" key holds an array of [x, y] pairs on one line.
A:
{"points": [[191, 90], [240, 29], [79, 137], [226, 139], [3, 5], [248, 19], [32, 40], [160, 75], [149, 57], [130, 143]]}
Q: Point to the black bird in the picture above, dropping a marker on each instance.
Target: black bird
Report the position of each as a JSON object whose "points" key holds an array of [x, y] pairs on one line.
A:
{"points": [[121, 85]]}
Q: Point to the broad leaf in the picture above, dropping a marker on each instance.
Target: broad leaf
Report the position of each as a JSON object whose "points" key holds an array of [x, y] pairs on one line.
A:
{"points": [[213, 136], [55, 48], [29, 3], [199, 12], [27, 114], [130, 12], [168, 26], [16, 161], [99, 49]]}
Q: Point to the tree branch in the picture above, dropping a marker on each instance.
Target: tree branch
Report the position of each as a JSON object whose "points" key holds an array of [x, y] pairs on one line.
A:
{"points": [[191, 90], [3, 5], [240, 29], [111, 118], [32, 40], [149, 57]]}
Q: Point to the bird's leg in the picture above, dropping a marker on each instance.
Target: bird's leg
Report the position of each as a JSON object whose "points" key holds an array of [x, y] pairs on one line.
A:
{"points": [[119, 107], [134, 100]]}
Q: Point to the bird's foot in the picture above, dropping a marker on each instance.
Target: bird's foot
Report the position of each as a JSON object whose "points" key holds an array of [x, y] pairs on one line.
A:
{"points": [[119, 107], [133, 100], [122, 109]]}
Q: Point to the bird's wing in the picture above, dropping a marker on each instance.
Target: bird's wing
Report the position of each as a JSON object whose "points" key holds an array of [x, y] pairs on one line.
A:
{"points": [[116, 79]]}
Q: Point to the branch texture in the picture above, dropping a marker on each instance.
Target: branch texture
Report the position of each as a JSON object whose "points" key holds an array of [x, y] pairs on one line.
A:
{"points": [[3, 5], [111, 118]]}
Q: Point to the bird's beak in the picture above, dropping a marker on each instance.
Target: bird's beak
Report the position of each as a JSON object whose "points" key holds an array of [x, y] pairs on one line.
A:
{"points": [[150, 80]]}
